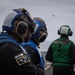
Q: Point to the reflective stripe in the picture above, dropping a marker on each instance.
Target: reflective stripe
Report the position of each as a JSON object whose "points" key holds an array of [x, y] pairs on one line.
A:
{"points": [[62, 64]]}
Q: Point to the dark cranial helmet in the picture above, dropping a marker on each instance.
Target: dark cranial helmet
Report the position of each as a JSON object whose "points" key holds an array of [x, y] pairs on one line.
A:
{"points": [[40, 32], [8, 24]]}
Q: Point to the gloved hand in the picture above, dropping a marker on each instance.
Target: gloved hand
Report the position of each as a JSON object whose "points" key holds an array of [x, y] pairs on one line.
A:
{"points": [[39, 66], [40, 69]]}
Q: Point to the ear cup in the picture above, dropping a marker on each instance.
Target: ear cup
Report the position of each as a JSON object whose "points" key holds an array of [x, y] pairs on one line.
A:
{"points": [[70, 33], [21, 27], [42, 36], [58, 32]]}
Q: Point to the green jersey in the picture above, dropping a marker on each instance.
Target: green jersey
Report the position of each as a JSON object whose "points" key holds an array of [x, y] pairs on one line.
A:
{"points": [[60, 50]]}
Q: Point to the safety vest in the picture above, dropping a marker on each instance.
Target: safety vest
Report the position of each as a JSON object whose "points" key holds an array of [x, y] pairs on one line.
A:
{"points": [[60, 50], [32, 44], [6, 38]]}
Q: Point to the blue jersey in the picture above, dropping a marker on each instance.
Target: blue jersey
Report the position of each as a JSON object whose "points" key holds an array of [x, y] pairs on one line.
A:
{"points": [[4, 37], [33, 45]]}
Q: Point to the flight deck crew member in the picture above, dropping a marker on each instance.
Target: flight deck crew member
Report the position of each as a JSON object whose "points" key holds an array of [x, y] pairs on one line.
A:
{"points": [[33, 45], [14, 60], [61, 52]]}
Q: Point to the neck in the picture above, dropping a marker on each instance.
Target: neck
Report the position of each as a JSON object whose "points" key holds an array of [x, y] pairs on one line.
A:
{"points": [[64, 36], [15, 36], [37, 43]]}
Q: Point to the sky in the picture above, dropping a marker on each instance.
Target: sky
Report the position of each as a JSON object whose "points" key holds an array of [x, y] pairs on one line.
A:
{"points": [[55, 13]]}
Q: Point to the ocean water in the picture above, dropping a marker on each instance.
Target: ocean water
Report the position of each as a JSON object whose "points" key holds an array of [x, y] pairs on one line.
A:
{"points": [[44, 46]]}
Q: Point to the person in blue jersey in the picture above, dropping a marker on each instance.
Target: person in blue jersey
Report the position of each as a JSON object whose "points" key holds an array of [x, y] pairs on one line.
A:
{"points": [[61, 52], [33, 45], [17, 27]]}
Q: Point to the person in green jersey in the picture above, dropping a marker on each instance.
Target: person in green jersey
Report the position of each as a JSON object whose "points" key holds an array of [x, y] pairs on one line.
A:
{"points": [[60, 52]]}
